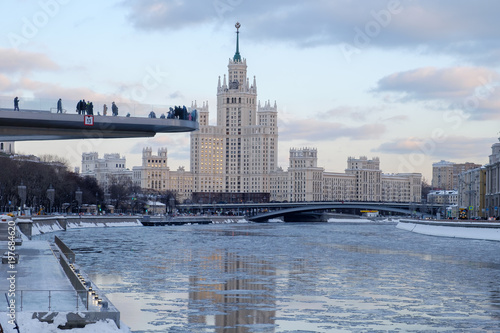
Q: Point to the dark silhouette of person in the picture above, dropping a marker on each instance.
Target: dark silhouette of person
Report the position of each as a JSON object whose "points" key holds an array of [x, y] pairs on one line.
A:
{"points": [[16, 104], [79, 107], [90, 108], [59, 106], [104, 110], [83, 107], [114, 109]]}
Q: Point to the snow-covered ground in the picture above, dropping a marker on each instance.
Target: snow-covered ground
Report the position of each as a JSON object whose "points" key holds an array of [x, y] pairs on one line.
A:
{"points": [[490, 231], [28, 325]]}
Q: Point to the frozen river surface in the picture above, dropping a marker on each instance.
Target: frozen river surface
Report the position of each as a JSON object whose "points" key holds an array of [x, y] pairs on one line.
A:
{"points": [[328, 277]]}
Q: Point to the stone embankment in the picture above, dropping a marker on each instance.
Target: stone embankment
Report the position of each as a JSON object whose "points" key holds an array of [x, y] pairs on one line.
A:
{"points": [[473, 230], [34, 225]]}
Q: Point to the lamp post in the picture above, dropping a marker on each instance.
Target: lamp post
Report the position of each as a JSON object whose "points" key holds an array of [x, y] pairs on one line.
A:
{"points": [[21, 190], [78, 198], [172, 205], [51, 195]]}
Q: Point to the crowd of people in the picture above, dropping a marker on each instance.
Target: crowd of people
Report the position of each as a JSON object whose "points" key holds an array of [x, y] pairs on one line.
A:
{"points": [[87, 108], [177, 112], [83, 107]]}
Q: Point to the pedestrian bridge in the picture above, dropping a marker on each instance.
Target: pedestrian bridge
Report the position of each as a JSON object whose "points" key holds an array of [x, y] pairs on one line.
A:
{"points": [[32, 124]]}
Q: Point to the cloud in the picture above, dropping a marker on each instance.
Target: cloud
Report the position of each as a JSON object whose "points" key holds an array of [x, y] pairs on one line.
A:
{"points": [[455, 148], [463, 28], [433, 83], [396, 119], [5, 83], [350, 112], [471, 89], [14, 61], [318, 130]]}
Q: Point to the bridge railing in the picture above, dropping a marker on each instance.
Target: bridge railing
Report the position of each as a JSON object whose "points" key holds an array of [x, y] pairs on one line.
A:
{"points": [[69, 106]]}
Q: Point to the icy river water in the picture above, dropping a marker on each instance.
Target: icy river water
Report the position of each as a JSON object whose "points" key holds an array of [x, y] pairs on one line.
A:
{"points": [[297, 277]]}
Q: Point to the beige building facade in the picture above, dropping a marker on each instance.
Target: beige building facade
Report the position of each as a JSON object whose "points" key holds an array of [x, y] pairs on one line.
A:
{"points": [[362, 181], [445, 174], [155, 175], [107, 170], [472, 191]]}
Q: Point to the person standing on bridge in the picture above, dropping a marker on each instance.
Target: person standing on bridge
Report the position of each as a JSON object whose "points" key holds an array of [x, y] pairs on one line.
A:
{"points": [[16, 104], [59, 106], [104, 110], [114, 109], [83, 107], [90, 108]]}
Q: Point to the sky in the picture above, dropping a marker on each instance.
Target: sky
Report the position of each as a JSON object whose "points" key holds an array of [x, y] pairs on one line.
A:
{"points": [[412, 82]]}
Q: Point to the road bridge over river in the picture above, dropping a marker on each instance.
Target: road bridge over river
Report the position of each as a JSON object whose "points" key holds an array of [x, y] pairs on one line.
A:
{"points": [[261, 212]]}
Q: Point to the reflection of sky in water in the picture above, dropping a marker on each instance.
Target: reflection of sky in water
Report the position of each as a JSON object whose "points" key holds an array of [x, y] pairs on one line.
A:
{"points": [[292, 278]]}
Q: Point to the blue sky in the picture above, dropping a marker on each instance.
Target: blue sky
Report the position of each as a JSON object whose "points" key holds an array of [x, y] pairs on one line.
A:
{"points": [[409, 81]]}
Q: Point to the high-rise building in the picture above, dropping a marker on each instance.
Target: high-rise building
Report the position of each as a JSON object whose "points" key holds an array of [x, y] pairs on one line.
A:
{"points": [[238, 154], [236, 159]]}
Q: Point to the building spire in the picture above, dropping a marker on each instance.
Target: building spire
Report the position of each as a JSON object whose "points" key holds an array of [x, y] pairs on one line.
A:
{"points": [[237, 56]]}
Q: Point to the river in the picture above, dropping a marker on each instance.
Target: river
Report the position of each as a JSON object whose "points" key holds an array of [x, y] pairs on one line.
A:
{"points": [[293, 277]]}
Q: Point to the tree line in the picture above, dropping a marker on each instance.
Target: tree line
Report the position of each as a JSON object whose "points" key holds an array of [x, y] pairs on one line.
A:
{"points": [[38, 174]]}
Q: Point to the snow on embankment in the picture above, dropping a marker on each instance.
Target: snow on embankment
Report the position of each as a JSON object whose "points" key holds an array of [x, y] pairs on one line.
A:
{"points": [[96, 222], [471, 230], [348, 220], [42, 225], [29, 325]]}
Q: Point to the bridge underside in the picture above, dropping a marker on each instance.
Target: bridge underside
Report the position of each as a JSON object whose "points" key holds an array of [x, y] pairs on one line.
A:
{"points": [[39, 125]]}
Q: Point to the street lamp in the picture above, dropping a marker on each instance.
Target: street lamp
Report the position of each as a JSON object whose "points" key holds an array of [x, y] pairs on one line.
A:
{"points": [[172, 205], [51, 195], [21, 190], [78, 198]]}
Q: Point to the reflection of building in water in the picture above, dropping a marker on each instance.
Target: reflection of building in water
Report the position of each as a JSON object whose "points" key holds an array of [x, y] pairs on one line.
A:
{"points": [[244, 299]]}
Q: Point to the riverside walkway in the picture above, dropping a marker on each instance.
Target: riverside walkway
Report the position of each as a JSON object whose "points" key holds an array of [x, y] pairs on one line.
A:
{"points": [[47, 283]]}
